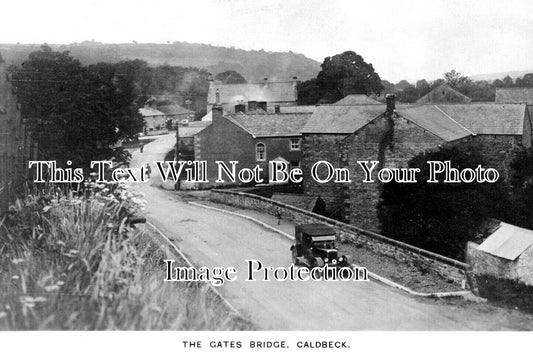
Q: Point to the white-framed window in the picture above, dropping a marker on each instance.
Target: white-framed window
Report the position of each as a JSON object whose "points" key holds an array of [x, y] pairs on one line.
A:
{"points": [[295, 144], [260, 152]]}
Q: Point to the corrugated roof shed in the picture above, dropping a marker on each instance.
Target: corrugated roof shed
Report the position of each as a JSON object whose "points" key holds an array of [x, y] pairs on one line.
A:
{"points": [[235, 93], [514, 96], [357, 100], [341, 119], [488, 118], [272, 125], [434, 120], [508, 242]]}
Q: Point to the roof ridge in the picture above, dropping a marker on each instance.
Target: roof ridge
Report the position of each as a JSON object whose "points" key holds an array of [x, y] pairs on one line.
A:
{"points": [[235, 122], [460, 125]]}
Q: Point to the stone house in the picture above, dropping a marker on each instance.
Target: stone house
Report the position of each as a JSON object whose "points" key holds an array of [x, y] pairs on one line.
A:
{"points": [[250, 139], [176, 113], [255, 95], [502, 265], [154, 120], [444, 94], [344, 135]]}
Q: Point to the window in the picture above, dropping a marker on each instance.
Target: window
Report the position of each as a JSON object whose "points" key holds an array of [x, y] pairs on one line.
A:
{"points": [[295, 144], [260, 152]]}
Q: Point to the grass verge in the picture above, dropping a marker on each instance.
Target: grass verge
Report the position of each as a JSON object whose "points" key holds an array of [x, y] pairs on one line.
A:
{"points": [[70, 262]]}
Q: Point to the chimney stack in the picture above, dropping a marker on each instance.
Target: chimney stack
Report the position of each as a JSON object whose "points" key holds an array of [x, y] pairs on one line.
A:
{"points": [[240, 108], [277, 109], [262, 105], [391, 105], [252, 105]]}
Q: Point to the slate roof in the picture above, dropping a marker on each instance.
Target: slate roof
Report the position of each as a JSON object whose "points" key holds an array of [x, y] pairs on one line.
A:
{"points": [[148, 112], [450, 122], [357, 100], [434, 120], [508, 241], [193, 128], [488, 118], [514, 96], [174, 110], [236, 93], [293, 109], [331, 119], [271, 125], [305, 202]]}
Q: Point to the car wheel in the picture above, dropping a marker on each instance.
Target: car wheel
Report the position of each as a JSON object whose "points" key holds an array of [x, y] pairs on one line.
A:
{"points": [[294, 256]]}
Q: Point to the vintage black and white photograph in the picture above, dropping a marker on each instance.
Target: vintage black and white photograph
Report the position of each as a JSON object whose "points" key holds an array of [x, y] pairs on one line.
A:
{"points": [[266, 166]]}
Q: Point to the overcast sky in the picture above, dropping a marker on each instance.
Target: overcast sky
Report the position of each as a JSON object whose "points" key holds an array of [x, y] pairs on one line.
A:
{"points": [[402, 39]]}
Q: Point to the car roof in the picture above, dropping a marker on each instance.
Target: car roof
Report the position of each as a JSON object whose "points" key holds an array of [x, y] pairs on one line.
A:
{"points": [[315, 229]]}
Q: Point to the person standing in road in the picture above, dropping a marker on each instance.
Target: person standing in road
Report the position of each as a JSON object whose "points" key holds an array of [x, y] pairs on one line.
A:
{"points": [[148, 170], [141, 146]]}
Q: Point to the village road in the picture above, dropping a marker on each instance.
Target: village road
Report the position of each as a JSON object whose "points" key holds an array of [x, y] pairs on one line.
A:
{"points": [[213, 239]]}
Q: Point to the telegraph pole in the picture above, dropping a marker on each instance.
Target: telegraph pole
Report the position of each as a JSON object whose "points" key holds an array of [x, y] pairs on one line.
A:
{"points": [[177, 153]]}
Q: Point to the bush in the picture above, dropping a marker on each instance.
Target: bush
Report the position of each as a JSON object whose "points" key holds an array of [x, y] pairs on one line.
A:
{"points": [[70, 262], [441, 217]]}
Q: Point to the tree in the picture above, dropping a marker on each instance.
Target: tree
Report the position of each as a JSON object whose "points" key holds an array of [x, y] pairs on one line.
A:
{"points": [[388, 87], [76, 113], [498, 83], [408, 94], [347, 73], [440, 217], [309, 92], [522, 186], [508, 82], [230, 77], [422, 86], [455, 79], [527, 80], [402, 84]]}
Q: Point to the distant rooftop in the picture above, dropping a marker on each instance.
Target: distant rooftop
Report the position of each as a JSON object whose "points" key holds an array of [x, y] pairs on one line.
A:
{"points": [[271, 125], [357, 99], [242, 93], [514, 96]]}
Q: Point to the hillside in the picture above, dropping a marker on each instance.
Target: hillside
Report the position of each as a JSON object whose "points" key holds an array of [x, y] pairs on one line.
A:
{"points": [[501, 75], [253, 65]]}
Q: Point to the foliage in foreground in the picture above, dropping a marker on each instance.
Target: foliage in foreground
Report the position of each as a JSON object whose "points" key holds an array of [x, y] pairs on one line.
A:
{"points": [[70, 262]]}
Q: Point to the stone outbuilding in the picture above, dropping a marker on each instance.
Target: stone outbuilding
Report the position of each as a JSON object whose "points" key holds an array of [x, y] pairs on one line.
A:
{"points": [[502, 265]]}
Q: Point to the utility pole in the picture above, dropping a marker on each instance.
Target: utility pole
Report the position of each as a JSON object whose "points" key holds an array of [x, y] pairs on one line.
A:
{"points": [[177, 154]]}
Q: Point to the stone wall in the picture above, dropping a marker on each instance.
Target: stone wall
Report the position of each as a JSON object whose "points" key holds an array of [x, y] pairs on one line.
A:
{"points": [[520, 270], [391, 142], [317, 147], [450, 269], [498, 151], [501, 280]]}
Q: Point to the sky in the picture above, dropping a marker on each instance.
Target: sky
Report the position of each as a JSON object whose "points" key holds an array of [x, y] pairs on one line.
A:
{"points": [[402, 39]]}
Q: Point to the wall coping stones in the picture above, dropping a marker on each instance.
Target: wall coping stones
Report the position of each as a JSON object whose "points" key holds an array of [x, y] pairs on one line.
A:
{"points": [[351, 228]]}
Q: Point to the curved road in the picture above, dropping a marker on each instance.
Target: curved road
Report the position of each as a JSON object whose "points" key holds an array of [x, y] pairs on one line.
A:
{"points": [[210, 238]]}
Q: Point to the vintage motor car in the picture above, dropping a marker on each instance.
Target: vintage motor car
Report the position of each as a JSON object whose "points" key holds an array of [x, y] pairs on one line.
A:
{"points": [[315, 246]]}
